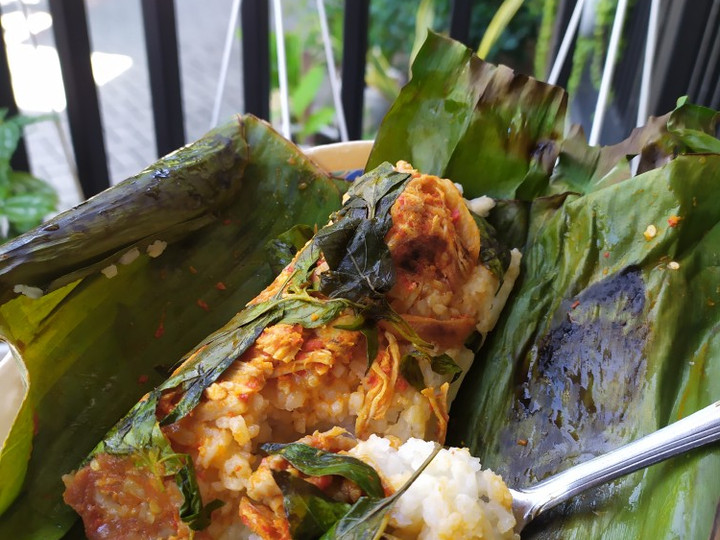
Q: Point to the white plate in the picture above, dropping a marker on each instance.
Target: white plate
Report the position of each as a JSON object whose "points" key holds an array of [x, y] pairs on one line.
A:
{"points": [[340, 157]]}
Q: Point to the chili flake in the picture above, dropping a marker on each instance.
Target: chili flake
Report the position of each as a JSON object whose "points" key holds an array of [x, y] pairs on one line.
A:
{"points": [[575, 304], [160, 330], [192, 269], [220, 286], [522, 442], [674, 220], [201, 303]]}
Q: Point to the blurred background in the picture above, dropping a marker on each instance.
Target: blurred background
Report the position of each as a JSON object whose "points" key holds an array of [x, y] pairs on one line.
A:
{"points": [[104, 87]]}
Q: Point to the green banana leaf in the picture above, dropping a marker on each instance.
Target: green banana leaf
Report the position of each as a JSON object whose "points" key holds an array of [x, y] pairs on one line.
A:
{"points": [[492, 130], [602, 341], [609, 335], [607, 340], [92, 345]]}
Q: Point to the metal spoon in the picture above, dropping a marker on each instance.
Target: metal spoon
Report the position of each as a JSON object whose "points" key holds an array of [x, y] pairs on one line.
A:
{"points": [[699, 428]]}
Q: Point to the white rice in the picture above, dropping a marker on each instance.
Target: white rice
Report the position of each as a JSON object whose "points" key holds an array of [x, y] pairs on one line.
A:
{"points": [[481, 205], [29, 291], [452, 499], [156, 248], [129, 256], [110, 271]]}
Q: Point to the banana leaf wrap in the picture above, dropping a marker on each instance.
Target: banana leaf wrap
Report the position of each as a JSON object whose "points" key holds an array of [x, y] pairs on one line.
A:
{"points": [[612, 332], [92, 346], [611, 336]]}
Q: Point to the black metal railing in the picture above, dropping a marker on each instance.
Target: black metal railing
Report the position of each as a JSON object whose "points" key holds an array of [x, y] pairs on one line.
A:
{"points": [[72, 41], [688, 61]]}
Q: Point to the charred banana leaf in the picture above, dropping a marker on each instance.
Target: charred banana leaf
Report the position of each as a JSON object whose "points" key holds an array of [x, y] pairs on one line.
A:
{"points": [[130, 281], [612, 332]]}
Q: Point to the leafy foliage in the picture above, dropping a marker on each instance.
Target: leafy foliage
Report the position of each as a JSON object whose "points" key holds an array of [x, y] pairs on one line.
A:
{"points": [[308, 115], [441, 364], [368, 517], [494, 254], [282, 250], [24, 200], [309, 511], [192, 511], [315, 462], [354, 244]]}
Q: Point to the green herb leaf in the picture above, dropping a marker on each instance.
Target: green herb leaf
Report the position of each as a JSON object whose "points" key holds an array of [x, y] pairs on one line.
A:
{"points": [[382, 310], [354, 244], [192, 511], [333, 239], [410, 369], [493, 255], [282, 250], [445, 365], [442, 365], [368, 517], [315, 462], [369, 329], [309, 511], [198, 375]]}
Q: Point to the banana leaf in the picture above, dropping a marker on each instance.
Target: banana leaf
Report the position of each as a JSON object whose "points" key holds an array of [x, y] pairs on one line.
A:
{"points": [[93, 345], [610, 336], [612, 331], [492, 130]]}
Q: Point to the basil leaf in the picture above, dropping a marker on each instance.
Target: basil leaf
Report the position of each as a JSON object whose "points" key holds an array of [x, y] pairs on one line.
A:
{"points": [[192, 510], [370, 331], [304, 265], [445, 365], [360, 265], [366, 268], [410, 369], [333, 239], [493, 254], [381, 310], [315, 462], [226, 346], [281, 250], [375, 189], [308, 510], [442, 365], [207, 369], [368, 517]]}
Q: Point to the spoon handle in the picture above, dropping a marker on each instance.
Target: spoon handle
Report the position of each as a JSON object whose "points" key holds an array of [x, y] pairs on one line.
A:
{"points": [[691, 432]]}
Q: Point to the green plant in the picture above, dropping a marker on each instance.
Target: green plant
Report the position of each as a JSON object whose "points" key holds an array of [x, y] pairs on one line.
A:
{"points": [[306, 76], [379, 72], [499, 23], [24, 199], [590, 49]]}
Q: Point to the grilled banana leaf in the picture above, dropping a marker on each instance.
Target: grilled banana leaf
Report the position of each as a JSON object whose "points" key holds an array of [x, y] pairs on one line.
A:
{"points": [[611, 335], [93, 345], [484, 126], [612, 331]]}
